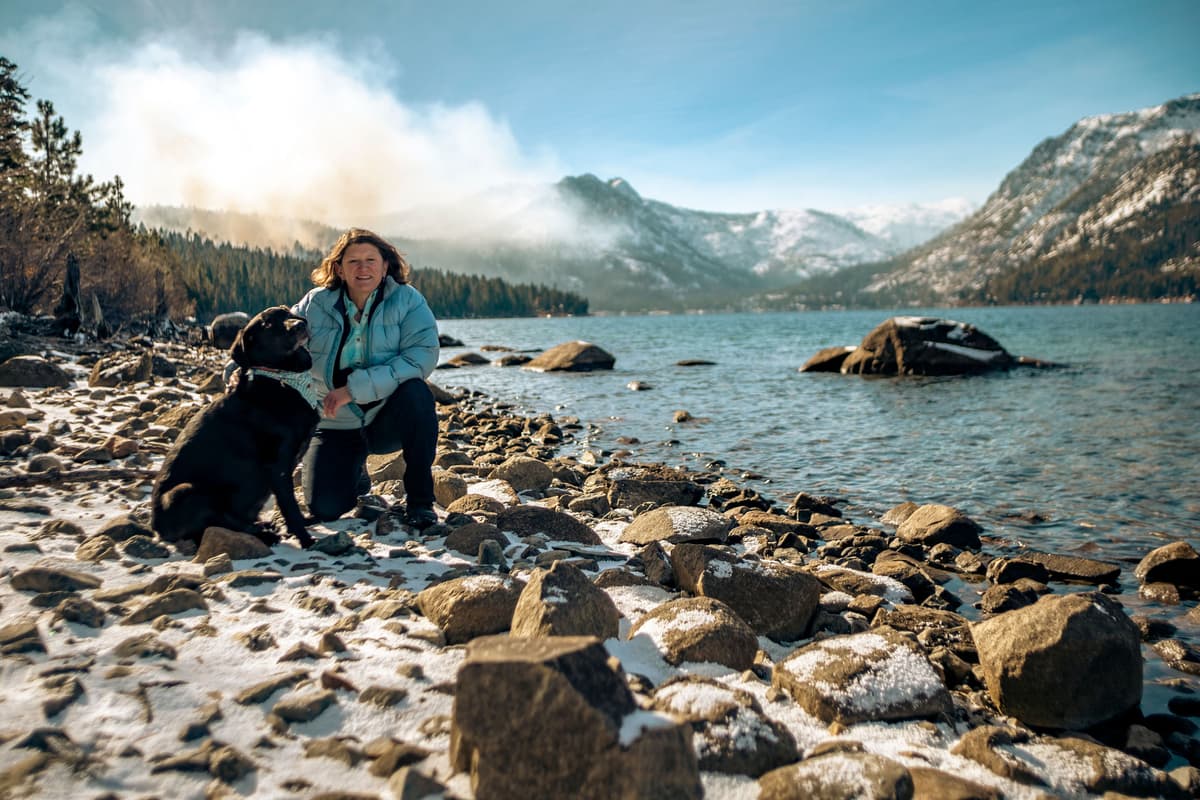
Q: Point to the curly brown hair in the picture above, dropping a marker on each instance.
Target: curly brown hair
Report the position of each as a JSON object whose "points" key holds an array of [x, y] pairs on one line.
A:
{"points": [[326, 274]]}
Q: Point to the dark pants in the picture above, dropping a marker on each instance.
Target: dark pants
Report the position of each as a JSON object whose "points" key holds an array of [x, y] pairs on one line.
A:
{"points": [[335, 466]]}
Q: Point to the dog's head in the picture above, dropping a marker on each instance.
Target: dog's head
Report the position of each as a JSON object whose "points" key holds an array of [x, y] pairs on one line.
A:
{"points": [[274, 339]]}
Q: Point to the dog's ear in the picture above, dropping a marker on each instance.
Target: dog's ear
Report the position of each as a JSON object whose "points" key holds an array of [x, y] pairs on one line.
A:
{"points": [[238, 351]]}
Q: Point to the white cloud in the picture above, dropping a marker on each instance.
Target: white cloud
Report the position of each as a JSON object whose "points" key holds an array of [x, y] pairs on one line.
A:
{"points": [[286, 129]]}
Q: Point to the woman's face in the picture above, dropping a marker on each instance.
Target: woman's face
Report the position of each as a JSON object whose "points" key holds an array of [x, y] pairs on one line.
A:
{"points": [[362, 269]]}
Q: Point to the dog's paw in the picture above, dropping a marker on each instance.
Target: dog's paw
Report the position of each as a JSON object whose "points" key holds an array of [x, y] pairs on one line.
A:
{"points": [[305, 540], [265, 532]]}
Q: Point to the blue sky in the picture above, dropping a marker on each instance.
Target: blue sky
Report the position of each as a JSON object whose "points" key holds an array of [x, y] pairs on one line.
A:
{"points": [[710, 105]]}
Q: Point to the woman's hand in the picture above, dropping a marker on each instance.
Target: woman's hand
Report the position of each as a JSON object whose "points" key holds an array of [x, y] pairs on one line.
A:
{"points": [[335, 400]]}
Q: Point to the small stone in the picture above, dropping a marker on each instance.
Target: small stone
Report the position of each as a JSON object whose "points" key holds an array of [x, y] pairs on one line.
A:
{"points": [[384, 696], [304, 707]]}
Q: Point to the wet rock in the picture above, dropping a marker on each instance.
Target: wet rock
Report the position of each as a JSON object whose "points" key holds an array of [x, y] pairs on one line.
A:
{"points": [[731, 733], [678, 524], [699, 629], [830, 777], [776, 600], [574, 356], [1179, 655], [527, 520], [1011, 570], [926, 346], [1011, 596], [545, 717], [935, 524], [1176, 563], [476, 605], [877, 675], [828, 359], [561, 601], [1075, 568], [1067, 661]]}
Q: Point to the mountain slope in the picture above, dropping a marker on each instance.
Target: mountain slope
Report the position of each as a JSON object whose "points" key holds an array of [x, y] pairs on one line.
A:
{"points": [[1042, 203]]}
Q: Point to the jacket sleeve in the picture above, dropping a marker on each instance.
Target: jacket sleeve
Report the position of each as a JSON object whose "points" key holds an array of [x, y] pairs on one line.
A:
{"points": [[416, 357]]}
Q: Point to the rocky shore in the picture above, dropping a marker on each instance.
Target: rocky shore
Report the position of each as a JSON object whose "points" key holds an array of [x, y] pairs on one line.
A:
{"points": [[575, 626]]}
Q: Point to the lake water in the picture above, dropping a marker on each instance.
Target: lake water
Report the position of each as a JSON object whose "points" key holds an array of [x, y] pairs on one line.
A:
{"points": [[1106, 451]]}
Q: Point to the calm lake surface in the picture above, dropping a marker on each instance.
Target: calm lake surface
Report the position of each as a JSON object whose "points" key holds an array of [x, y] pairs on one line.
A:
{"points": [[1106, 451]]}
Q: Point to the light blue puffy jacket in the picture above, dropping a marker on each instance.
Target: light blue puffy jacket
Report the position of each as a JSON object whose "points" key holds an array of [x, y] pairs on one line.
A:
{"points": [[402, 343]]}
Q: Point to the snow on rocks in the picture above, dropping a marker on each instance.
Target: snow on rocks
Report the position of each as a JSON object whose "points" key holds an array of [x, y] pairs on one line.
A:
{"points": [[678, 524], [133, 667], [877, 675]]}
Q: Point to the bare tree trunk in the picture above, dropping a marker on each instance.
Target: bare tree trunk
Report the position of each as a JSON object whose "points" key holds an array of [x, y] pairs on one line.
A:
{"points": [[67, 312]]}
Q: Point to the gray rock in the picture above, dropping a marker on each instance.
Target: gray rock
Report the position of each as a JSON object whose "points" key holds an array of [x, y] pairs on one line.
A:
{"points": [[1075, 569], [1068, 661]]}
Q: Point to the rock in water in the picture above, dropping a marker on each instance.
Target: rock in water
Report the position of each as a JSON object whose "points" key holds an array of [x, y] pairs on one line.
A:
{"points": [[572, 357], [926, 346], [1067, 661]]}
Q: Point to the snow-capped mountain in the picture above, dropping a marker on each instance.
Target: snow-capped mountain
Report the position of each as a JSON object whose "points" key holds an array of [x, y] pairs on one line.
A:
{"points": [[624, 251], [1092, 179]]}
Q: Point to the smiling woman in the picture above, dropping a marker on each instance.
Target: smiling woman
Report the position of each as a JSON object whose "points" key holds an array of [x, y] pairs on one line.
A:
{"points": [[374, 341]]}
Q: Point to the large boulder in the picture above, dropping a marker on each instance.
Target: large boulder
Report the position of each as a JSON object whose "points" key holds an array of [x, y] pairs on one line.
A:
{"points": [[1067, 661], [699, 629], [474, 605], [864, 677], [572, 357], [551, 717], [33, 371], [926, 346], [562, 601], [732, 734], [121, 368], [678, 524], [776, 600]]}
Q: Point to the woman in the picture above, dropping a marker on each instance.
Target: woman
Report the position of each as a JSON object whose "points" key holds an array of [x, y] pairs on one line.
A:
{"points": [[374, 341]]}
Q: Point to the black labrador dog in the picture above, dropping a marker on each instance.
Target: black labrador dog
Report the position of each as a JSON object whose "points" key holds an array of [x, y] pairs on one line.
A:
{"points": [[245, 445]]}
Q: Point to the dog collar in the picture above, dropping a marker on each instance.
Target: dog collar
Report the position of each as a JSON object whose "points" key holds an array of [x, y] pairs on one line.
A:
{"points": [[300, 381]]}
